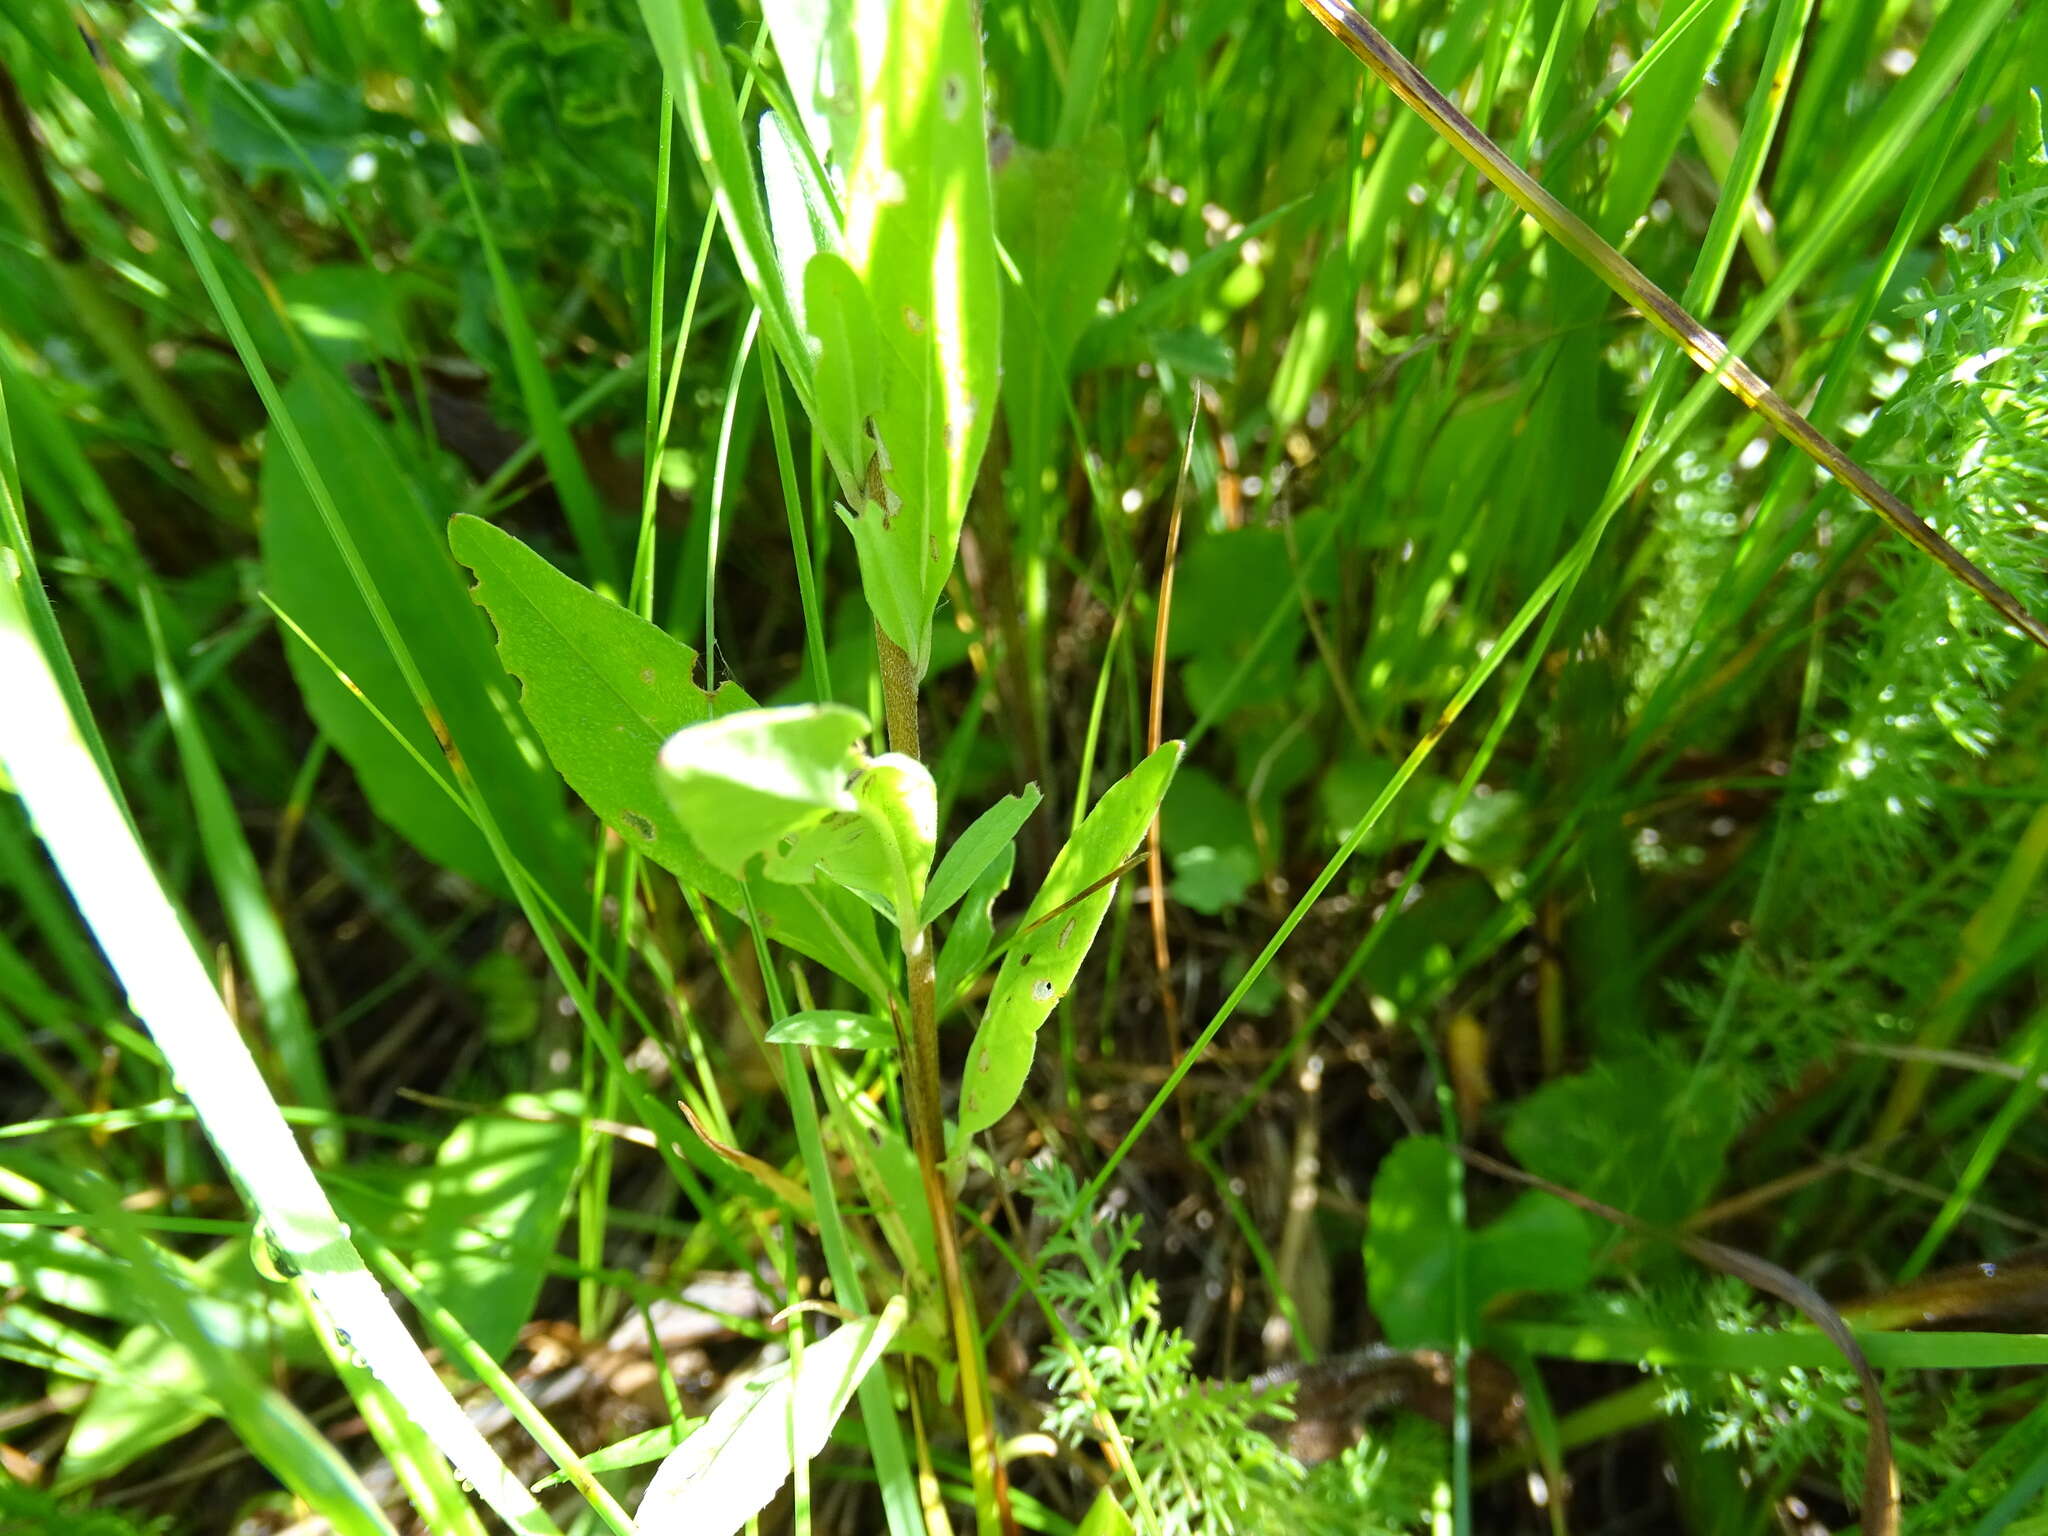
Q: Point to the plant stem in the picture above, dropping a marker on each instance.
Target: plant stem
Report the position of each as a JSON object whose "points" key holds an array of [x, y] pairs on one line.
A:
{"points": [[899, 695], [928, 1135]]}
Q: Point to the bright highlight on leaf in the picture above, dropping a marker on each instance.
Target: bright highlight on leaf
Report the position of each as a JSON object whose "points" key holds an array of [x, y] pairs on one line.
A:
{"points": [[727, 1471], [791, 788], [743, 784]]}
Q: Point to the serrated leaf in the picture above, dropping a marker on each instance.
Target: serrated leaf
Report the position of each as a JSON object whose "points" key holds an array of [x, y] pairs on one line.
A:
{"points": [[975, 849], [731, 1467], [1047, 954], [834, 1029], [1539, 1244], [604, 689]]}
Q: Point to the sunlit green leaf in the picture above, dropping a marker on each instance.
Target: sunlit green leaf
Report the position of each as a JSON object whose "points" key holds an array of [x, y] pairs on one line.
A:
{"points": [[633, 1451], [833, 1028], [491, 1208], [1055, 936], [920, 231], [731, 1467], [743, 783], [604, 689]]}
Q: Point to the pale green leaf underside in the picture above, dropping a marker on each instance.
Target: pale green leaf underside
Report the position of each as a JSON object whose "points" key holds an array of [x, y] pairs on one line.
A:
{"points": [[743, 783]]}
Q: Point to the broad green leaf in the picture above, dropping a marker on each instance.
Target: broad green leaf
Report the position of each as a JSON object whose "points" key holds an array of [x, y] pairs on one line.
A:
{"points": [[156, 1389], [1062, 214], [1206, 831], [633, 1451], [727, 1471], [967, 941], [920, 231], [156, 1393], [604, 689], [1054, 937], [833, 1028], [399, 538], [1539, 1244], [976, 848], [1647, 1133], [742, 784], [491, 1208]]}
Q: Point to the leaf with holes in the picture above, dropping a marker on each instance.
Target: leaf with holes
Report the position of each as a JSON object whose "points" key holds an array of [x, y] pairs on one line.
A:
{"points": [[1054, 937], [604, 689]]}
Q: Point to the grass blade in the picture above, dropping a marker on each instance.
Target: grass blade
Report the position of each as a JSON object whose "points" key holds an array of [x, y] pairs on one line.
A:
{"points": [[1654, 304]]}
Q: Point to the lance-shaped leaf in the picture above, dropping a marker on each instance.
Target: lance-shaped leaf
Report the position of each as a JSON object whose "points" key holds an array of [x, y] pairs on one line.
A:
{"points": [[993, 831], [846, 352], [603, 690], [410, 782], [1054, 938], [920, 231], [730, 1468]]}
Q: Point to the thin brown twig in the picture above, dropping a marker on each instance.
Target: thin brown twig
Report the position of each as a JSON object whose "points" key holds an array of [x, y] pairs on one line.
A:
{"points": [[1155, 864]]}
